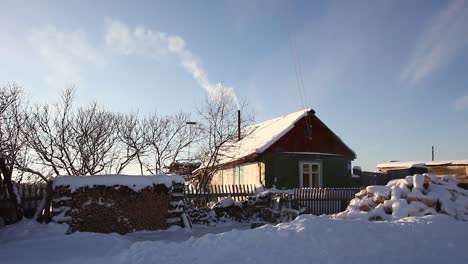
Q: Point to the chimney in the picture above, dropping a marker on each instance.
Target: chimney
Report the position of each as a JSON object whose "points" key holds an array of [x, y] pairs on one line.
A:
{"points": [[238, 125]]}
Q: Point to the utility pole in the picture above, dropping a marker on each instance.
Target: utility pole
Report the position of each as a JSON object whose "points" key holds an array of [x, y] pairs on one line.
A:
{"points": [[432, 152], [190, 124]]}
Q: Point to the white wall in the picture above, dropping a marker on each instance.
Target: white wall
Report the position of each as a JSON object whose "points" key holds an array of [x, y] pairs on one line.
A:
{"points": [[249, 173]]}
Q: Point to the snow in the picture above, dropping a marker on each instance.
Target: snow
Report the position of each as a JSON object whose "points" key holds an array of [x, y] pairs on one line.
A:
{"points": [[418, 181], [261, 136], [135, 183], [383, 191], [225, 202], [422, 164], [400, 208], [308, 239], [415, 195], [396, 193]]}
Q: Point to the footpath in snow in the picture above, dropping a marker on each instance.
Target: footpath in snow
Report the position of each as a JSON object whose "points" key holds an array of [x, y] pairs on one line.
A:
{"points": [[308, 239]]}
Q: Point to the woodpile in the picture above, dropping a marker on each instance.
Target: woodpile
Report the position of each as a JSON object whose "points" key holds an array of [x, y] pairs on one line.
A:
{"points": [[263, 207], [413, 196], [118, 208]]}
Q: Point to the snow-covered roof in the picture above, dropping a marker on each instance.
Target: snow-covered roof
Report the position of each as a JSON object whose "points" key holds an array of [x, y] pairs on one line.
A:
{"points": [[410, 164], [135, 183], [261, 136]]}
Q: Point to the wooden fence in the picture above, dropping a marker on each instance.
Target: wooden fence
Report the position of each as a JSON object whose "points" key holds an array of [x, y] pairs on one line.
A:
{"points": [[320, 201], [201, 195], [30, 194], [314, 200]]}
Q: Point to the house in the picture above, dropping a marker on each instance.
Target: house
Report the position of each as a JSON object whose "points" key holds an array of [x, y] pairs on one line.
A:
{"points": [[183, 168], [295, 150], [459, 168]]}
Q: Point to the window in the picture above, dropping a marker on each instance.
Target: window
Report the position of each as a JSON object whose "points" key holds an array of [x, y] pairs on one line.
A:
{"points": [[238, 175], [310, 174]]}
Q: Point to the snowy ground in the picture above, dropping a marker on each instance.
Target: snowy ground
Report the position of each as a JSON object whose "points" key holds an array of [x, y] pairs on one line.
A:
{"points": [[308, 239]]}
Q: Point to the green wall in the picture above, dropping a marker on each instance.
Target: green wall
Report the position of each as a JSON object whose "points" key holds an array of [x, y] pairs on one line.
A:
{"points": [[285, 168]]}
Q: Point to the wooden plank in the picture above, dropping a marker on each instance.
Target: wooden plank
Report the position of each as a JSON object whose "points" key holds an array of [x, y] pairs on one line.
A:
{"points": [[326, 205], [244, 193], [218, 191], [314, 205], [321, 203], [325, 202], [316, 202], [332, 201], [229, 189], [235, 192]]}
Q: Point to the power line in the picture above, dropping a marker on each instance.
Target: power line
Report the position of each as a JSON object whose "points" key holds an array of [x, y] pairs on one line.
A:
{"points": [[298, 68]]}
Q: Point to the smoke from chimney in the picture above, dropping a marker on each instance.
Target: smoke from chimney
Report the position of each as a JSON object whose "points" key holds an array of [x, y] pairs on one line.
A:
{"points": [[143, 41]]}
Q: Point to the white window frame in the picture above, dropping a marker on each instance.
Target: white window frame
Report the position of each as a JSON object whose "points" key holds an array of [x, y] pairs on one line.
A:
{"points": [[310, 163]]}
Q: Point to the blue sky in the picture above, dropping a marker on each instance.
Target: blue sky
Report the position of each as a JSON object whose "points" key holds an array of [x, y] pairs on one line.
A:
{"points": [[389, 77]]}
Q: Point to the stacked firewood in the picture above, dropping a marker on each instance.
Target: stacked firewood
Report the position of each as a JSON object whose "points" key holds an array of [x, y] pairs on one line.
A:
{"points": [[413, 196], [107, 209]]}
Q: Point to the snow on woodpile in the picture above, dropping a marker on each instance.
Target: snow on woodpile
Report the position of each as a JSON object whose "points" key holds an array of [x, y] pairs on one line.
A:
{"points": [[417, 195], [118, 203], [136, 183]]}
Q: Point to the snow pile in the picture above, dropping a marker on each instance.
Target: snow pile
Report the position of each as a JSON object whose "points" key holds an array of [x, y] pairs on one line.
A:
{"points": [[416, 195], [136, 183]]}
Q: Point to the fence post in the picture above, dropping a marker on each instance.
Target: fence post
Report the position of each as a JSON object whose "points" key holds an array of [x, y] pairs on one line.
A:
{"points": [[49, 194]]}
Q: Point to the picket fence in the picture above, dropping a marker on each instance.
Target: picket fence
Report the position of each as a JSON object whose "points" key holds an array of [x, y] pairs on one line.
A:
{"points": [[320, 201], [201, 195], [316, 201]]}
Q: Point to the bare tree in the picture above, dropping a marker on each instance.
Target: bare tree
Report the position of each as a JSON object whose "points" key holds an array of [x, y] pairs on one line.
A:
{"points": [[12, 145], [218, 130], [167, 138], [131, 142], [73, 142]]}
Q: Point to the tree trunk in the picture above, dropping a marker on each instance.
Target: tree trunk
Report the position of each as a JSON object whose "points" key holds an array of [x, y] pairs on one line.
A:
{"points": [[6, 171], [47, 214]]}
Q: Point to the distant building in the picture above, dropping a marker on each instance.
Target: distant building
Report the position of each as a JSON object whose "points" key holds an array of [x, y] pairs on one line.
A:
{"points": [[459, 168], [296, 150], [183, 168]]}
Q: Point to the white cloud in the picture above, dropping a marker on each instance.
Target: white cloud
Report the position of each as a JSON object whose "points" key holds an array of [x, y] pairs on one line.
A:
{"points": [[142, 41], [461, 103], [445, 35], [64, 54]]}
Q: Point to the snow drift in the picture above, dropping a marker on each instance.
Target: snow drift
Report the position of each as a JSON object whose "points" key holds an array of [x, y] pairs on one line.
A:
{"points": [[308, 239]]}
